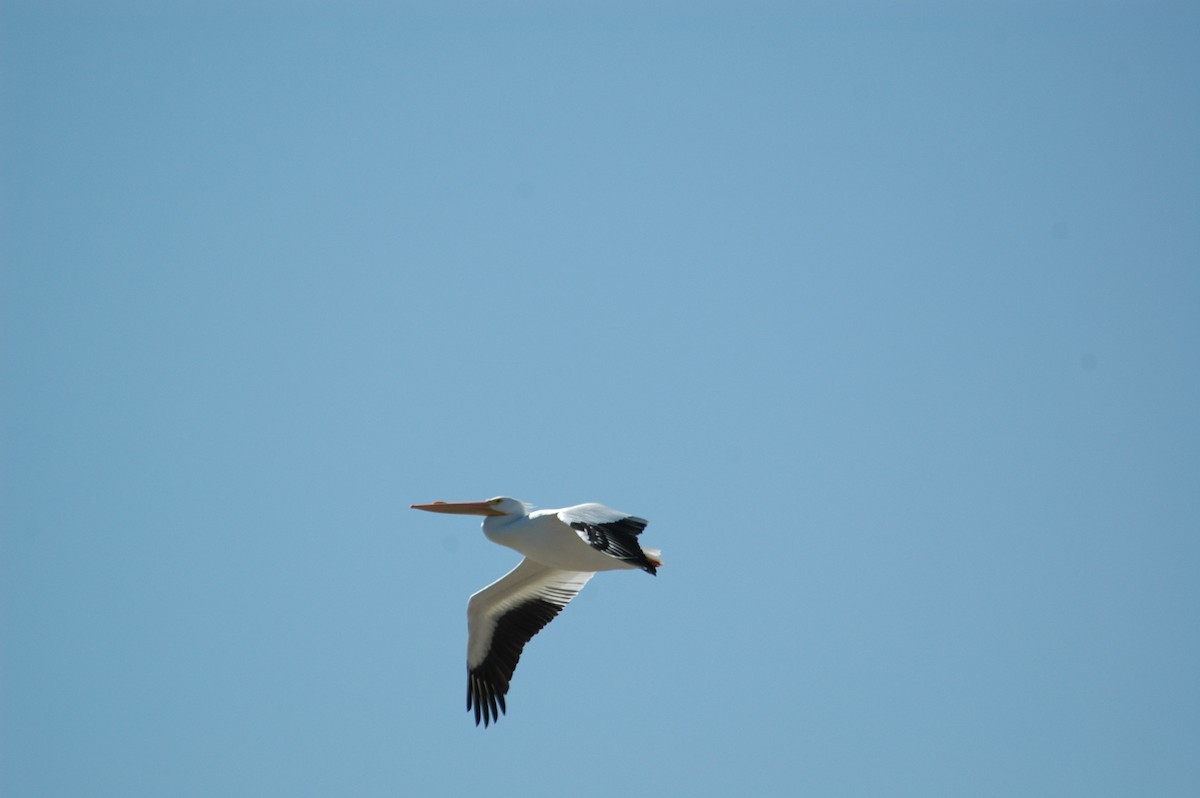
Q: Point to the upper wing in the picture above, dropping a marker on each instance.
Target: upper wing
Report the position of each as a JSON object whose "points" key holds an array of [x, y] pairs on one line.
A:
{"points": [[501, 619], [611, 531]]}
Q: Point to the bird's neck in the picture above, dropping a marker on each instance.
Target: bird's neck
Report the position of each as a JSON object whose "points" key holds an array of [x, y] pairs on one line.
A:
{"points": [[495, 525]]}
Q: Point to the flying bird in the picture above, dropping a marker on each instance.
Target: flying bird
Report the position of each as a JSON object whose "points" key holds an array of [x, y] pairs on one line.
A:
{"points": [[563, 549]]}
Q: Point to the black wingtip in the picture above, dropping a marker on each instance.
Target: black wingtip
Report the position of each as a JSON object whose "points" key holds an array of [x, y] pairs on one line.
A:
{"points": [[484, 699]]}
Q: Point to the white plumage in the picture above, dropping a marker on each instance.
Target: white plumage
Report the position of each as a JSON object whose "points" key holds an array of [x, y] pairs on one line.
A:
{"points": [[563, 549]]}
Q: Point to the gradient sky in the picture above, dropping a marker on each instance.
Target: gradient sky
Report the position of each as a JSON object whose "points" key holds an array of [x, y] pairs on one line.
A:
{"points": [[886, 315]]}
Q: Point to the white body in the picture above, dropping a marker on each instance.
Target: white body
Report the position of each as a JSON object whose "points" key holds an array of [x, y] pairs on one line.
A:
{"points": [[562, 549], [544, 537]]}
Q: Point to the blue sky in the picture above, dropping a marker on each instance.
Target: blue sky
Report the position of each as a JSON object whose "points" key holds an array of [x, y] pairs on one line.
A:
{"points": [[885, 316]]}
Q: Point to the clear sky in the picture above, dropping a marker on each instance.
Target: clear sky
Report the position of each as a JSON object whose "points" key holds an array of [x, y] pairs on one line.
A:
{"points": [[885, 315]]}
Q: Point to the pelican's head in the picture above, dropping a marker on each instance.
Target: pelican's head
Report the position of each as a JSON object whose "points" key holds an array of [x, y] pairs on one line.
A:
{"points": [[501, 505]]}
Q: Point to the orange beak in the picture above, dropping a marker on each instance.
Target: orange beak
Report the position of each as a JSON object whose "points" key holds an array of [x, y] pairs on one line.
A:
{"points": [[460, 508]]}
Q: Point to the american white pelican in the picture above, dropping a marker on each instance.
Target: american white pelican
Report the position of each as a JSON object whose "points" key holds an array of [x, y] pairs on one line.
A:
{"points": [[563, 549]]}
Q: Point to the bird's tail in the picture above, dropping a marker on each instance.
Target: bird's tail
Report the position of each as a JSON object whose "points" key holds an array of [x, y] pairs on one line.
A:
{"points": [[654, 556]]}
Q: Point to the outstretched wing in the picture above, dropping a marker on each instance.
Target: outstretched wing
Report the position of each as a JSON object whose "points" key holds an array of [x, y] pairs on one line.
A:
{"points": [[501, 619], [610, 531]]}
